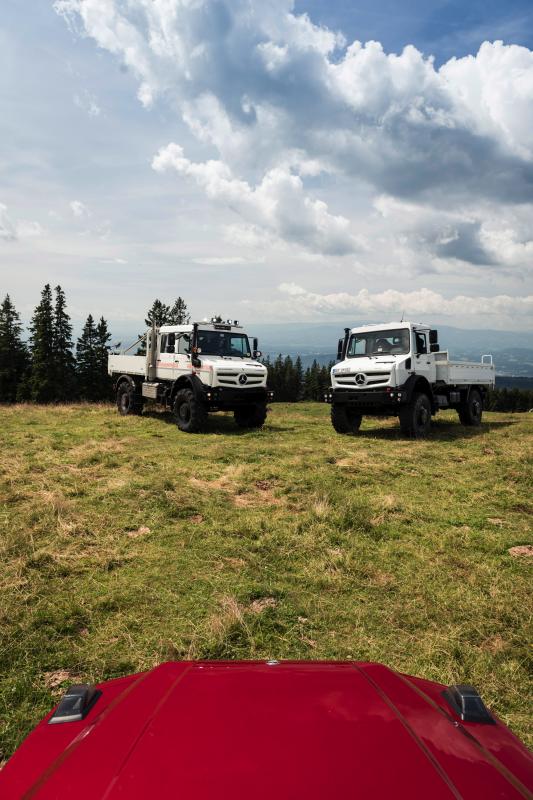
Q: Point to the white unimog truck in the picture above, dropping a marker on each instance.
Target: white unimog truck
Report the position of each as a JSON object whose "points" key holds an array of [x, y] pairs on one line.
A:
{"points": [[194, 369], [399, 369]]}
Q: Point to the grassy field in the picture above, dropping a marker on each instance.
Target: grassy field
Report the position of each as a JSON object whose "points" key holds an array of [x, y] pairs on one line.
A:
{"points": [[125, 542]]}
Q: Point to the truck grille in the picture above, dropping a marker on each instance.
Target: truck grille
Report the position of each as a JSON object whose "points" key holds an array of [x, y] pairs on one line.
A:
{"points": [[371, 379], [231, 378]]}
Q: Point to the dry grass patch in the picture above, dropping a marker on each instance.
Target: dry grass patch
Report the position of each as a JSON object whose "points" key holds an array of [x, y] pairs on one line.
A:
{"points": [[58, 680]]}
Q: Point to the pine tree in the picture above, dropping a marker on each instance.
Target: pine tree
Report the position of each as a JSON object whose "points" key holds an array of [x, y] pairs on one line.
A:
{"points": [[311, 384], [13, 353], [277, 378], [298, 380], [103, 380], [86, 363], [41, 384], [178, 314], [64, 363], [158, 313]]}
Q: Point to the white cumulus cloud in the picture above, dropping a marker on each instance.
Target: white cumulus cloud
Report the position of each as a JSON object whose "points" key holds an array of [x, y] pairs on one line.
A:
{"points": [[278, 203], [419, 302], [79, 209], [326, 145], [14, 230]]}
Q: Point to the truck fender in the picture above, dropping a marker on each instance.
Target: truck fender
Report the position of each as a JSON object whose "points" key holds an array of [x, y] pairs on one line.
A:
{"points": [[481, 389], [417, 383], [124, 379], [188, 382]]}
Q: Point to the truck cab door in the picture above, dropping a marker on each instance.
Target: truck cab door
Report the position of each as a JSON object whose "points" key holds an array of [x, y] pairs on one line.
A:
{"points": [[166, 357], [183, 356], [423, 360]]}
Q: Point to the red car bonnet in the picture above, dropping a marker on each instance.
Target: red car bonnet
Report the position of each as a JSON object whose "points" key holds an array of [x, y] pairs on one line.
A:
{"points": [[245, 730]]}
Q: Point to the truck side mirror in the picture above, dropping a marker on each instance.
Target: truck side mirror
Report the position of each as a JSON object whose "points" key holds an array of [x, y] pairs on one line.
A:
{"points": [[433, 338], [434, 347], [257, 354], [339, 349]]}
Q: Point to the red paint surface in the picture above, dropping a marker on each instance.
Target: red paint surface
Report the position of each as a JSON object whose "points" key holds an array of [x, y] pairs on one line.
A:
{"points": [[244, 730]]}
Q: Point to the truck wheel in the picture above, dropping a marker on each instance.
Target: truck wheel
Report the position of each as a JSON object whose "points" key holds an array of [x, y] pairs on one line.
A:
{"points": [[127, 400], [345, 419], [470, 413], [189, 412], [415, 418], [251, 416]]}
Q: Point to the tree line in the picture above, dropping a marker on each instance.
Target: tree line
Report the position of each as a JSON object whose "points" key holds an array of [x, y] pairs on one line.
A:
{"points": [[49, 367], [291, 383], [509, 399]]}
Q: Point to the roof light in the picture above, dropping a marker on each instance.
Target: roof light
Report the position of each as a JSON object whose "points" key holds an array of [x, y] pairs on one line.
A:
{"points": [[75, 703], [467, 703]]}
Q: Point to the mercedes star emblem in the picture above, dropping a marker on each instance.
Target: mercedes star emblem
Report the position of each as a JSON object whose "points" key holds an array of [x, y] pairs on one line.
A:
{"points": [[243, 378], [360, 379]]}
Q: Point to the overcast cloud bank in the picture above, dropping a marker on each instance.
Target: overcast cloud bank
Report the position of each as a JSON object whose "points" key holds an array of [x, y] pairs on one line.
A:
{"points": [[295, 121]]}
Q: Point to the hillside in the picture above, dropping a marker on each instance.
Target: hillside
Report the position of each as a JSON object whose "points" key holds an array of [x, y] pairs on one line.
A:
{"points": [[125, 542]]}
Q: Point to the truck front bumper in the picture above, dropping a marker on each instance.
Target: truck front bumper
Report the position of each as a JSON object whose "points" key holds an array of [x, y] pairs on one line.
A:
{"points": [[371, 400], [223, 398]]}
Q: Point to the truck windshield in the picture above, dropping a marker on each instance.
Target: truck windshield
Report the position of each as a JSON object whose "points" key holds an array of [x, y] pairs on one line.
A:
{"points": [[224, 343], [379, 343]]}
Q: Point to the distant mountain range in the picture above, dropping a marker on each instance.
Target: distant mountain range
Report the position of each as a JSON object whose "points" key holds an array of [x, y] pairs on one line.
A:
{"points": [[512, 351]]}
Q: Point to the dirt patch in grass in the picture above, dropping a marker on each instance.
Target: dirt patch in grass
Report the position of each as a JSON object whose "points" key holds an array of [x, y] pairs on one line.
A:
{"points": [[260, 605], [142, 531], [256, 499], [522, 550]]}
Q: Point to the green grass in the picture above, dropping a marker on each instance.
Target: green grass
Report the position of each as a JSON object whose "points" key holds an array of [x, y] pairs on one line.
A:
{"points": [[124, 542]]}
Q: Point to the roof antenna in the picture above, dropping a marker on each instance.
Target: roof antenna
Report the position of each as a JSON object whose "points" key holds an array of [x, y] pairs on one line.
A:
{"points": [[403, 314]]}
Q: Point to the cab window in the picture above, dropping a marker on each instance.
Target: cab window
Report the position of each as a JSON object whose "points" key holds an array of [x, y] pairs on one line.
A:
{"points": [[421, 343], [184, 342], [171, 341]]}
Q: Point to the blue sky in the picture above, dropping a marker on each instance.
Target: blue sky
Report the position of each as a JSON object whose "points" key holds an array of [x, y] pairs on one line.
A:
{"points": [[442, 28], [264, 167]]}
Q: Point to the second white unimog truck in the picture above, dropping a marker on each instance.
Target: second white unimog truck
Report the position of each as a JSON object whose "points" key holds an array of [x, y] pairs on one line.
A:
{"points": [[398, 369], [194, 369]]}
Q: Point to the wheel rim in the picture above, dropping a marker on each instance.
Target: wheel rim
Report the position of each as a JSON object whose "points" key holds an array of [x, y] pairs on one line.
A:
{"points": [[184, 412], [476, 409], [422, 416], [125, 401]]}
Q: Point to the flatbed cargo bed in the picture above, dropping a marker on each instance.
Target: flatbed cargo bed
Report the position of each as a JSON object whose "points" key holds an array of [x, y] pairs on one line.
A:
{"points": [[127, 365], [460, 373]]}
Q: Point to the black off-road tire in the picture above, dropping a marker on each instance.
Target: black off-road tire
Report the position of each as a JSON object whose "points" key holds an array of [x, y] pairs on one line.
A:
{"points": [[415, 418], [128, 400], [189, 412], [471, 412], [251, 416], [345, 419]]}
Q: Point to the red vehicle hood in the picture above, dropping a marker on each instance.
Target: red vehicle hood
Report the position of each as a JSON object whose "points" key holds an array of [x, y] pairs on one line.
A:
{"points": [[244, 730]]}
